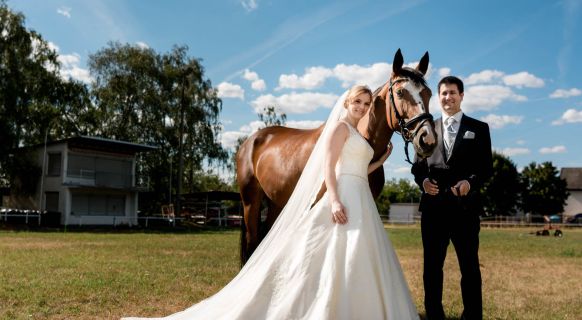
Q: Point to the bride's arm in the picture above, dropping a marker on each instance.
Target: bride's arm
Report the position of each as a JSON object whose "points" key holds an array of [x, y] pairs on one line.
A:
{"points": [[375, 165], [333, 147]]}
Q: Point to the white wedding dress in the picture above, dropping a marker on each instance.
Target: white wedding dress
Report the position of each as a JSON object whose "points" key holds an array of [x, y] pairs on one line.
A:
{"points": [[312, 268]]}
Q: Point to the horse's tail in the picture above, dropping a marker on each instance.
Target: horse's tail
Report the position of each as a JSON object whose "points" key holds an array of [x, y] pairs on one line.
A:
{"points": [[251, 195]]}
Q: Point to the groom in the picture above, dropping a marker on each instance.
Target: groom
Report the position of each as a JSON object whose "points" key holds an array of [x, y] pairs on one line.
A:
{"points": [[450, 180]]}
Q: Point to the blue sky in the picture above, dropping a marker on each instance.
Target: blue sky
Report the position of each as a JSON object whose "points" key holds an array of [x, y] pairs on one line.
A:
{"points": [[520, 59]]}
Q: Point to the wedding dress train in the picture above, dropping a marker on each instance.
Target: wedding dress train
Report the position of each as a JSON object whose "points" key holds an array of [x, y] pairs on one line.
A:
{"points": [[320, 269]]}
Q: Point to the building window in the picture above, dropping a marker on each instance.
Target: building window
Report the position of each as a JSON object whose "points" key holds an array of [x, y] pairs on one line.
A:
{"points": [[84, 204], [54, 164]]}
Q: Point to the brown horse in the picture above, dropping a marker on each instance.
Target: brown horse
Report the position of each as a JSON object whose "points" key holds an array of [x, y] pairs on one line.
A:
{"points": [[271, 160]]}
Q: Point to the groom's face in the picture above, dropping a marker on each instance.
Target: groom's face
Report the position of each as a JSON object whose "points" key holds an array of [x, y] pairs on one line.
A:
{"points": [[450, 98]]}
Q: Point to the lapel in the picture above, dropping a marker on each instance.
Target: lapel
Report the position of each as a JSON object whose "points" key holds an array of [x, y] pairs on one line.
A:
{"points": [[459, 138]]}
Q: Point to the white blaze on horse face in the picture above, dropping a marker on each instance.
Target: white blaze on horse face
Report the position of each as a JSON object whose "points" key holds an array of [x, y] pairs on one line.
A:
{"points": [[414, 90]]}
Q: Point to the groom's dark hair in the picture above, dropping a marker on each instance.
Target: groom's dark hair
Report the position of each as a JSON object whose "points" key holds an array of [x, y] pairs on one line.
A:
{"points": [[451, 80]]}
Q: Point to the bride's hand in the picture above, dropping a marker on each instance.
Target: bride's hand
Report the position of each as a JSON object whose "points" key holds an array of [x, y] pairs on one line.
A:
{"points": [[338, 212], [387, 153]]}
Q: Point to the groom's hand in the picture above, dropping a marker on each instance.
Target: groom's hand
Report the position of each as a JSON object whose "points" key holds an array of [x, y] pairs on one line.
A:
{"points": [[461, 188], [338, 213], [430, 187]]}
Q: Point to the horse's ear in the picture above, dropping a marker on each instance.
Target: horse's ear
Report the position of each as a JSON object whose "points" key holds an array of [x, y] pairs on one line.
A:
{"points": [[423, 64], [398, 62]]}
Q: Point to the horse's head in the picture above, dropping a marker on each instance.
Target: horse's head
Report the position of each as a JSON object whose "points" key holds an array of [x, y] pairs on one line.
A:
{"points": [[407, 97]]}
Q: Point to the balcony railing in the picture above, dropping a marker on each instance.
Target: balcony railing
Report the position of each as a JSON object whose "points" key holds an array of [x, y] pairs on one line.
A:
{"points": [[99, 179]]}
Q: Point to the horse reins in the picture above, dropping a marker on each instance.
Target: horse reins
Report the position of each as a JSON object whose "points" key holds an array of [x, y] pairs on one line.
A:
{"points": [[407, 127]]}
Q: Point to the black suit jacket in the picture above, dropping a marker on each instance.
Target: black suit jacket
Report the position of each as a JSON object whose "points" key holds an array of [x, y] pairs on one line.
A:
{"points": [[470, 160]]}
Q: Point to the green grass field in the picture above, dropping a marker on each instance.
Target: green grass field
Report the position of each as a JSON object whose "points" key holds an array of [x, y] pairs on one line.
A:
{"points": [[77, 275]]}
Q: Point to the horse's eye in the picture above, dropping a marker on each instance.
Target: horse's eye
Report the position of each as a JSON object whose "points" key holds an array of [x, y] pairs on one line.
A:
{"points": [[399, 93]]}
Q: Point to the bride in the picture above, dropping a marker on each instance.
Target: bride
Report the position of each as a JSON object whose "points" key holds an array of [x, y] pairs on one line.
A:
{"points": [[331, 260]]}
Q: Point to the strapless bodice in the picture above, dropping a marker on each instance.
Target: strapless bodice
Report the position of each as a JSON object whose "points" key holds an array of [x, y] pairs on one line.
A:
{"points": [[355, 155]]}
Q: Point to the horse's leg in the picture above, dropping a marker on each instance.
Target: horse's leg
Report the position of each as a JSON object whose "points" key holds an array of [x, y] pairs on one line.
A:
{"points": [[272, 215], [251, 195]]}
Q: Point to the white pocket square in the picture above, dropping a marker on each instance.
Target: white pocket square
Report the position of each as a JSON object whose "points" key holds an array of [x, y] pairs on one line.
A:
{"points": [[469, 135]]}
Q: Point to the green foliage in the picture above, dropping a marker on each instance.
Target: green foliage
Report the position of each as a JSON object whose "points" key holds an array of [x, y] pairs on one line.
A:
{"points": [[397, 191], [544, 191], [204, 181], [271, 118], [501, 194], [25, 174], [34, 100], [162, 100]]}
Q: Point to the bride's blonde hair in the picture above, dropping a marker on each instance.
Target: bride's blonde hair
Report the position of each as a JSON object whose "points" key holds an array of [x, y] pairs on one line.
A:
{"points": [[356, 91]]}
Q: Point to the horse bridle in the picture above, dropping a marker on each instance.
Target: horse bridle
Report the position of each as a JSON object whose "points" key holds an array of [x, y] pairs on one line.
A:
{"points": [[407, 130]]}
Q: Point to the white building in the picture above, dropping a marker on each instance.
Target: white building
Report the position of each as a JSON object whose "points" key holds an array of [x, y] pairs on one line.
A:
{"points": [[573, 177], [90, 181], [403, 212]]}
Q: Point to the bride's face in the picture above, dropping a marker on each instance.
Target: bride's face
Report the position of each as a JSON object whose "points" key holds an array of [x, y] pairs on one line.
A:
{"points": [[359, 105]]}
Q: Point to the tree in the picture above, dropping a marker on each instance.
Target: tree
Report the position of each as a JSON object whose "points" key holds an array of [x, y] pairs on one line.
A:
{"points": [[544, 191], [270, 117], [162, 100], [501, 193], [397, 191], [34, 100]]}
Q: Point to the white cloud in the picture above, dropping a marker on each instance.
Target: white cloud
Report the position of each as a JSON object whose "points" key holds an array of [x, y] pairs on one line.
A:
{"points": [[229, 138], [229, 90], [519, 80], [295, 102], [520, 142], [500, 121], [249, 5], [305, 124], [64, 11], [257, 83], [555, 149], [443, 72], [485, 76], [142, 45], [313, 77], [70, 68], [402, 170], [349, 75], [523, 79], [570, 116], [250, 75], [514, 151], [252, 127], [53, 46], [69, 63], [562, 93], [373, 76], [488, 97]]}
